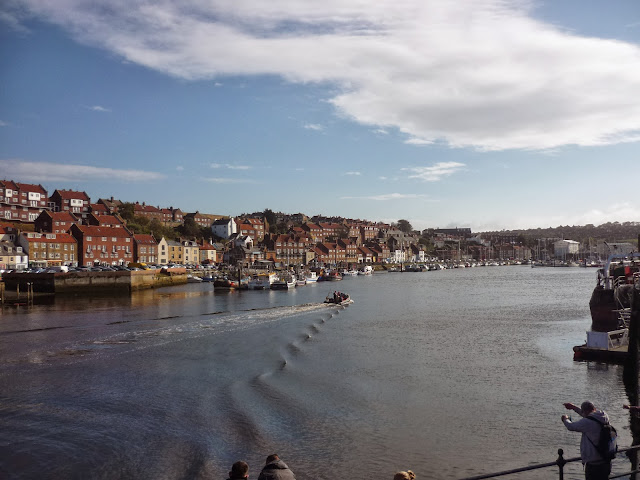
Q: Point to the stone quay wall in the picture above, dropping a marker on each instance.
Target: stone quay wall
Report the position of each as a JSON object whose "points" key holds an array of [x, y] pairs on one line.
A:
{"points": [[94, 282]]}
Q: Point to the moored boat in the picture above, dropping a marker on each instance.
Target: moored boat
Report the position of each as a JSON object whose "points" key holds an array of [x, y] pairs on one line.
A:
{"points": [[285, 282], [193, 279], [311, 277], [366, 270], [610, 302], [262, 281], [225, 284]]}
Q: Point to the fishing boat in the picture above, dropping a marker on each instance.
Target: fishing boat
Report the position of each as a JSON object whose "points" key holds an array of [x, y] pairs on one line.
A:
{"points": [[332, 276], [338, 298], [610, 302], [193, 279], [349, 273], [609, 347], [366, 270], [311, 277], [301, 282], [262, 281], [225, 284], [285, 282]]}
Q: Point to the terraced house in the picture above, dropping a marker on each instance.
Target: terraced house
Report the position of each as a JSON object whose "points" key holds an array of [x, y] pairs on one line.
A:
{"points": [[146, 248], [72, 201], [55, 222], [49, 249], [103, 245], [21, 202]]}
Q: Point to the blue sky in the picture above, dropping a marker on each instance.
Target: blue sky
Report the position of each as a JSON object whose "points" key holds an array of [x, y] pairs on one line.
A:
{"points": [[488, 114]]}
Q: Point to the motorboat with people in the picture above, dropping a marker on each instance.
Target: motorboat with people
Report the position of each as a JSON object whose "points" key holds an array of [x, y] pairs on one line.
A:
{"points": [[338, 298], [610, 302]]}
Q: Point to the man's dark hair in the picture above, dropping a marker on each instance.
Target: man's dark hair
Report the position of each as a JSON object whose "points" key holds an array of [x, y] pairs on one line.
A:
{"points": [[239, 470], [272, 458]]}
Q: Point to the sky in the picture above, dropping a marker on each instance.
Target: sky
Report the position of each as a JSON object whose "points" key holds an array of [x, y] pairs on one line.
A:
{"points": [[488, 114]]}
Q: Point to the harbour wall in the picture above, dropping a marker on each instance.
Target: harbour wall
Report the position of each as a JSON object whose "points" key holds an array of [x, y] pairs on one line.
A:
{"points": [[94, 282]]}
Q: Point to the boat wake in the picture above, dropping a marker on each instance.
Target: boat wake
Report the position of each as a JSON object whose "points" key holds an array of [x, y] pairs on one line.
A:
{"points": [[156, 332]]}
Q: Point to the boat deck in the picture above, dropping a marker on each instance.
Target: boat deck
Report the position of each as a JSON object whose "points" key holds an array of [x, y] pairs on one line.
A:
{"points": [[615, 355]]}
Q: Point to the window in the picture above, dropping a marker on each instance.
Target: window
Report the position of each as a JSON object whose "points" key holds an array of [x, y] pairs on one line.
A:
{"points": [[104, 239], [114, 239], [89, 239]]}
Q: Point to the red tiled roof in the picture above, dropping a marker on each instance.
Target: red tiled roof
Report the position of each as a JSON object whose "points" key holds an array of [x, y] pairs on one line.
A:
{"points": [[69, 194], [145, 238], [59, 238], [62, 216], [29, 187], [103, 231]]}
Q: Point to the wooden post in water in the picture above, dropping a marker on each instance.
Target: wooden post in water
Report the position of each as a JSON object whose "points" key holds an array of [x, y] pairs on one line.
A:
{"points": [[631, 373]]}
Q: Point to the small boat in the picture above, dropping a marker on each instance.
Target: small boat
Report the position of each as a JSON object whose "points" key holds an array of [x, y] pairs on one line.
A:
{"points": [[225, 284], [366, 270], [262, 281], [208, 278], [193, 279], [349, 273], [338, 298], [331, 276], [301, 282], [285, 282], [609, 347], [311, 277]]}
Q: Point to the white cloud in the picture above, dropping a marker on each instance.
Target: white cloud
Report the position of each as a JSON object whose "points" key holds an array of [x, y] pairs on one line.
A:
{"points": [[314, 126], [3, 124], [98, 108], [388, 196], [418, 141], [227, 180], [180, 168], [469, 73], [54, 172], [356, 174], [229, 166], [435, 172]]}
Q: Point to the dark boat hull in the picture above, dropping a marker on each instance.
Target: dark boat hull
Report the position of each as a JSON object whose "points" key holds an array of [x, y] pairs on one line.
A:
{"points": [[602, 306]]}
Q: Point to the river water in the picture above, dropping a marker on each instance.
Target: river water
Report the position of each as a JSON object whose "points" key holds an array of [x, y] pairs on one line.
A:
{"points": [[448, 373]]}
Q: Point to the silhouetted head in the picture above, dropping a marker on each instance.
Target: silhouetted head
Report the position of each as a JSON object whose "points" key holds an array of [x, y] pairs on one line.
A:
{"points": [[587, 408], [239, 471], [272, 458]]}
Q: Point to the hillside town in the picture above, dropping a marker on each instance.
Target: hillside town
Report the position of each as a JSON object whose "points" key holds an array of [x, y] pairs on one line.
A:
{"points": [[67, 228]]}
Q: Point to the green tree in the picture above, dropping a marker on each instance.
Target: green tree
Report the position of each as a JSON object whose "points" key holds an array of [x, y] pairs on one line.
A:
{"points": [[127, 211], [404, 226]]}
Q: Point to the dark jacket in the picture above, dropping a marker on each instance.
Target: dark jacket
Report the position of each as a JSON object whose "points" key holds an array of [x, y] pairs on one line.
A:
{"points": [[277, 470]]}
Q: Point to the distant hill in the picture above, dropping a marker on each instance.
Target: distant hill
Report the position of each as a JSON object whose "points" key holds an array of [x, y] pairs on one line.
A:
{"points": [[610, 232]]}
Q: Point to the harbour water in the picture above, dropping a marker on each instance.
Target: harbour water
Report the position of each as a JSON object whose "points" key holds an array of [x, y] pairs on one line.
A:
{"points": [[448, 373]]}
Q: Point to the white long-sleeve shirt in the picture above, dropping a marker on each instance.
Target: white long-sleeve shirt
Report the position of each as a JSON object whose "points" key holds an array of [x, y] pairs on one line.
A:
{"points": [[590, 431]]}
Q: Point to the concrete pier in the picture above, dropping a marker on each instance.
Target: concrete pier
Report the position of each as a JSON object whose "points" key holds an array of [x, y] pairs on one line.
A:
{"points": [[99, 283]]}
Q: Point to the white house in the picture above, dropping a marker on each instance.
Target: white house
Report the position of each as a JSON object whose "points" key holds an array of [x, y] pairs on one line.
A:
{"points": [[224, 227], [562, 248]]}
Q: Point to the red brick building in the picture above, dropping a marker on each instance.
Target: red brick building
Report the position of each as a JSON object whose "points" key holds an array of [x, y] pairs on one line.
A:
{"points": [[146, 249], [55, 222], [103, 245], [72, 201], [49, 249], [21, 202], [105, 221]]}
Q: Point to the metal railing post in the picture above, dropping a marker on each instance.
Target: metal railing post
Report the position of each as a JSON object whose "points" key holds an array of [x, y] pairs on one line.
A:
{"points": [[561, 463]]}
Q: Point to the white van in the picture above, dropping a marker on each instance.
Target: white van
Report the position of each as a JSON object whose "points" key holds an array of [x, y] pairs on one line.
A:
{"points": [[58, 268]]}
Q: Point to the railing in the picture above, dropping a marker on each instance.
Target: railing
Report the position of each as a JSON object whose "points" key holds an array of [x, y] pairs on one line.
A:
{"points": [[560, 462]]}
